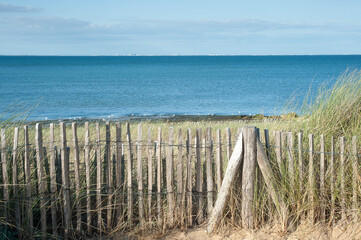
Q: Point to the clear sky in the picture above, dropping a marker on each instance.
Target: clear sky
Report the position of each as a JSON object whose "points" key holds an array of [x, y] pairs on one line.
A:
{"points": [[164, 27]]}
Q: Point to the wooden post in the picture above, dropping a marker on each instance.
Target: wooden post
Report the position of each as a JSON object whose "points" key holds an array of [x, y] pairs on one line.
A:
{"points": [[219, 164], [27, 168], [170, 188], [99, 178], [5, 173], [159, 179], [209, 171], [354, 179], [53, 183], [342, 173], [87, 176], [300, 160], [311, 183], [180, 177], [119, 166], [140, 175], [332, 182], [129, 176], [199, 176], [150, 173], [15, 179], [65, 180], [189, 179], [291, 164], [248, 177], [278, 136], [229, 143], [267, 142], [109, 175], [77, 175], [233, 167], [322, 179], [41, 177]]}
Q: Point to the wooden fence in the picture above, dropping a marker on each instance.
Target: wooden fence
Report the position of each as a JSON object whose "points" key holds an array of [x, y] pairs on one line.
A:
{"points": [[105, 181]]}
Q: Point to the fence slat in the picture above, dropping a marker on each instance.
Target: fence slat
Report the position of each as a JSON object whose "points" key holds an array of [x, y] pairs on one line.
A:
{"points": [[342, 176], [322, 179], [140, 176], [150, 173], [109, 176], [300, 159], [129, 177], [219, 163], [74, 127], [354, 179], [332, 182], [53, 183], [119, 166], [278, 137], [15, 179], [41, 177], [5, 173], [29, 219], [99, 179], [229, 143], [199, 176], [189, 178], [170, 171], [209, 170], [87, 175], [180, 191], [291, 163], [267, 142], [65, 180], [311, 182], [159, 179]]}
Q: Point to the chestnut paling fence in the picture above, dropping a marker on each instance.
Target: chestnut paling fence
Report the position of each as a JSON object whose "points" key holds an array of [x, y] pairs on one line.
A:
{"points": [[69, 179]]}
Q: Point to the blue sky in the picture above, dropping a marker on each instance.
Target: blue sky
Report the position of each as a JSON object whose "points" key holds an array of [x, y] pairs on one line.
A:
{"points": [[164, 27]]}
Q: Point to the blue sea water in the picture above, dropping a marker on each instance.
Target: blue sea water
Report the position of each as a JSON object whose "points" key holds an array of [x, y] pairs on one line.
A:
{"points": [[102, 86]]}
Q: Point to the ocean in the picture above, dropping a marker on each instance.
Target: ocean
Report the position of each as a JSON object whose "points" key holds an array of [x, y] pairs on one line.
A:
{"points": [[107, 86]]}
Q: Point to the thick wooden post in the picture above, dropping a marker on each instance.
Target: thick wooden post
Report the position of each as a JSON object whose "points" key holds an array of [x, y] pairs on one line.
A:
{"points": [[140, 176], [87, 175], [41, 177], [99, 179], [170, 171], [129, 176], [15, 179], [209, 171], [248, 177], [53, 183], [233, 167], [65, 180], [28, 195], [199, 176], [76, 175]]}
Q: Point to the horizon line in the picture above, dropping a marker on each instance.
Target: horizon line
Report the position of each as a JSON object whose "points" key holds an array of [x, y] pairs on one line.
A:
{"points": [[168, 55]]}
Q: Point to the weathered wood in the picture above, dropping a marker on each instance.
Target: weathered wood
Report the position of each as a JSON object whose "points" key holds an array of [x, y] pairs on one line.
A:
{"points": [[150, 173], [267, 142], [189, 178], [271, 183], [41, 177], [322, 179], [74, 127], [278, 137], [291, 163], [87, 176], [219, 163], [311, 183], [342, 176], [140, 176], [300, 159], [354, 180], [99, 179], [119, 169], [53, 183], [199, 176], [27, 168], [210, 187], [229, 143], [233, 167], [170, 171], [109, 176], [5, 174], [248, 177], [65, 180], [159, 179], [129, 177], [332, 182], [180, 190], [15, 179]]}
